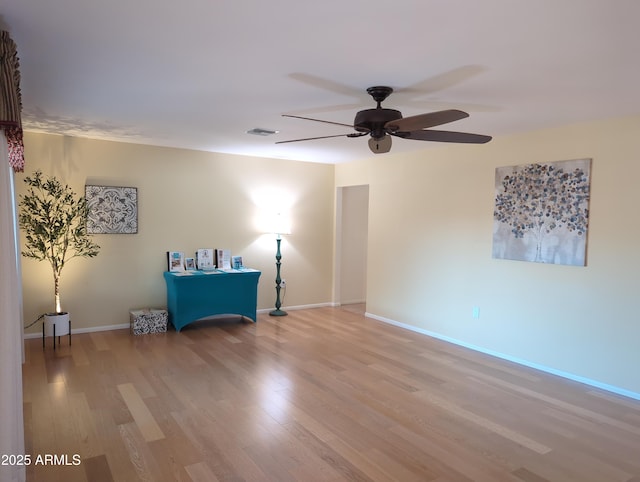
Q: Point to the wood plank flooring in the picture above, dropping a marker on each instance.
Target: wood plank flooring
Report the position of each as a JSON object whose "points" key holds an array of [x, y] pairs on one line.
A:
{"points": [[320, 395]]}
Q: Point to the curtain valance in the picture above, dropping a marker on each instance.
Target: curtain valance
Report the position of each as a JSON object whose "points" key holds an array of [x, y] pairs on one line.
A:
{"points": [[11, 101]]}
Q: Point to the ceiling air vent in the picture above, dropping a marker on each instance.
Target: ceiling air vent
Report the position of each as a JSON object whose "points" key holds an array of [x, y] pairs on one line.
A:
{"points": [[257, 131]]}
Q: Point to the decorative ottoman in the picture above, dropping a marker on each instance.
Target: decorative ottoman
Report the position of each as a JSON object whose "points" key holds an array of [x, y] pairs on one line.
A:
{"points": [[148, 321]]}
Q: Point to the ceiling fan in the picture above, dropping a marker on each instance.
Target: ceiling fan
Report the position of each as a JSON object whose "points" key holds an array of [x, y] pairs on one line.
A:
{"points": [[381, 123]]}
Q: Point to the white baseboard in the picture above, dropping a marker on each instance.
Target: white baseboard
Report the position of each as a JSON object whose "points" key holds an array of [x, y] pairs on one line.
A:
{"points": [[127, 325], [519, 361], [352, 302], [300, 307]]}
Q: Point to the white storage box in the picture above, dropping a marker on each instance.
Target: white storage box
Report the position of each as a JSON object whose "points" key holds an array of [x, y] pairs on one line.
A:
{"points": [[148, 321]]}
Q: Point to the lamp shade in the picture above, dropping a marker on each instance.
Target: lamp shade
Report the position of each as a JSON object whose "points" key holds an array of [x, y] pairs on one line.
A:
{"points": [[278, 223]]}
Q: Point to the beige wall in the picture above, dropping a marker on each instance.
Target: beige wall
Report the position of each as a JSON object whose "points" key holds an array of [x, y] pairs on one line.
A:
{"points": [[187, 200], [429, 252], [430, 236]]}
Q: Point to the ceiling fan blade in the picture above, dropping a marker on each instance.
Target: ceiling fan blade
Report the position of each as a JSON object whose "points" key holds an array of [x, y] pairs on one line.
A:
{"points": [[444, 80], [424, 121], [329, 85], [432, 105], [334, 108], [317, 120], [445, 136], [351, 134]]}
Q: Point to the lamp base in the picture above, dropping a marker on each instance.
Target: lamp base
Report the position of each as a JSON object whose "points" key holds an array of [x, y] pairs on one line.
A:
{"points": [[278, 312]]}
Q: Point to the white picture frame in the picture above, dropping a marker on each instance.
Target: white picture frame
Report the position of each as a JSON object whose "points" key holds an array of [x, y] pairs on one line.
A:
{"points": [[236, 262], [223, 258], [175, 261]]}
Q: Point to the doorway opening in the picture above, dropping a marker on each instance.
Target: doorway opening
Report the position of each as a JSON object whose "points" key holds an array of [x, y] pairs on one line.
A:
{"points": [[352, 231]]}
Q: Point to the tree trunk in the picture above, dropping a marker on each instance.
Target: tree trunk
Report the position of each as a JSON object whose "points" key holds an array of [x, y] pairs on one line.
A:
{"points": [[56, 292], [539, 238]]}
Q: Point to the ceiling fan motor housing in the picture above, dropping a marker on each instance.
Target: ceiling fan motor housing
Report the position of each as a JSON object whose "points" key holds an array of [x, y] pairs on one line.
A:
{"points": [[374, 120]]}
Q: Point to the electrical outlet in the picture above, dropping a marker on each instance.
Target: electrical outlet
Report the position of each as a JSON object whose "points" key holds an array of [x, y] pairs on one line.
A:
{"points": [[283, 284]]}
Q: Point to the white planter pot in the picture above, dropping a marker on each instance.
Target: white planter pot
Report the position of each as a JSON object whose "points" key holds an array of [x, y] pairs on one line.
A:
{"points": [[59, 320]]}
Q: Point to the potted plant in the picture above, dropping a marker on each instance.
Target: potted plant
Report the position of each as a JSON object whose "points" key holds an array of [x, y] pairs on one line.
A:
{"points": [[54, 220]]}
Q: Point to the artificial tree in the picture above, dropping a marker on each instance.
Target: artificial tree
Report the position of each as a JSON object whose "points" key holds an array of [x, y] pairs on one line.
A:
{"points": [[54, 220]]}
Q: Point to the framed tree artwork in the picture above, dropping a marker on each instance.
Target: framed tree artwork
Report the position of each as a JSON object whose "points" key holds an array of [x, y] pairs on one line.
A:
{"points": [[541, 212]]}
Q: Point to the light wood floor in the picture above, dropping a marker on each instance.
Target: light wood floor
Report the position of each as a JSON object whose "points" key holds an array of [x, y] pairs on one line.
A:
{"points": [[321, 395]]}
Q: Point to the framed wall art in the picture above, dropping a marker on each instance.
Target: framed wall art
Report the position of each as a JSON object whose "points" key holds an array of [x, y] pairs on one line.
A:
{"points": [[175, 260], [541, 212], [204, 259], [190, 264], [112, 210]]}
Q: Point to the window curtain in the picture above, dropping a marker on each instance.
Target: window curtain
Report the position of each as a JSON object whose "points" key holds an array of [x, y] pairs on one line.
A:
{"points": [[11, 332], [11, 101]]}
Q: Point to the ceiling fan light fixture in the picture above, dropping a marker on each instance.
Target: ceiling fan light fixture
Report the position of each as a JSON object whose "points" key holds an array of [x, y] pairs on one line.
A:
{"points": [[380, 146], [257, 131]]}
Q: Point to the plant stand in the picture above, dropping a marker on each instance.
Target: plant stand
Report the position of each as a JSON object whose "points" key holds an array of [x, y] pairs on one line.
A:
{"points": [[56, 324]]}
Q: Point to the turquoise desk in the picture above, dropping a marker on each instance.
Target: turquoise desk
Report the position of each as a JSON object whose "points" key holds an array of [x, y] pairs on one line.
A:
{"points": [[193, 295]]}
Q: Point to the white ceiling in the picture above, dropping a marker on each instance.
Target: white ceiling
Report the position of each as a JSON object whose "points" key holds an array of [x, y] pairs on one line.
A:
{"points": [[198, 74]]}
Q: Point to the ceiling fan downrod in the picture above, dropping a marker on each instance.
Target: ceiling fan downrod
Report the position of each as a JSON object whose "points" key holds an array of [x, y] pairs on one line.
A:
{"points": [[379, 93]]}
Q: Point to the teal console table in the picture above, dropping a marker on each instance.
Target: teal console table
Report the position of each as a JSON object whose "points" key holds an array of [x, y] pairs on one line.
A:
{"points": [[192, 295]]}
